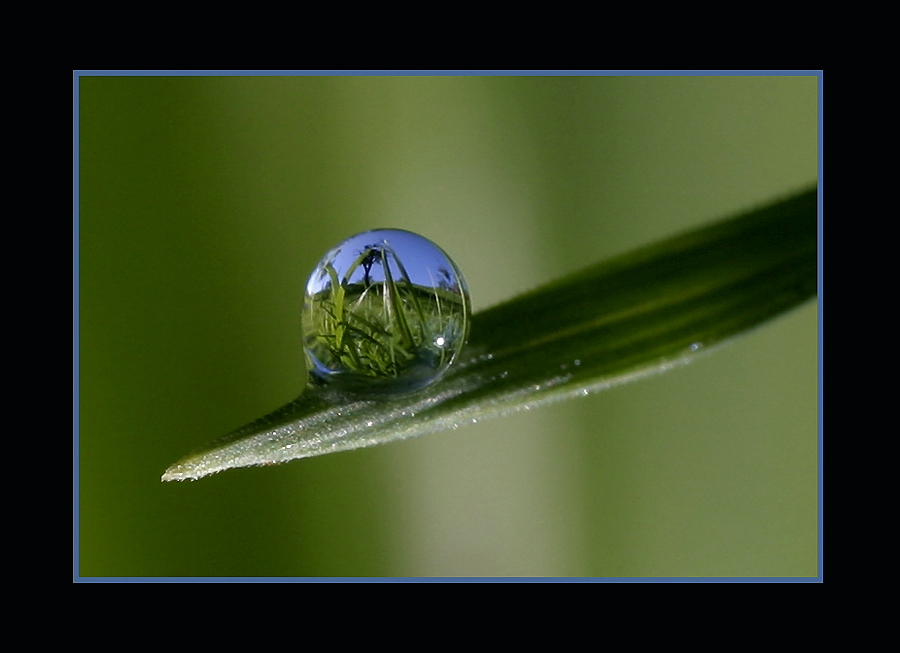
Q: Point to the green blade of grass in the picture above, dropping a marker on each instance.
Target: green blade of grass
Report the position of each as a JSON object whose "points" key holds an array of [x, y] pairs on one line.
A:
{"points": [[610, 323]]}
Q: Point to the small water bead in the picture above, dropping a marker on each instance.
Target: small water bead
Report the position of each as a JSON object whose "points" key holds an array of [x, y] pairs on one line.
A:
{"points": [[386, 312]]}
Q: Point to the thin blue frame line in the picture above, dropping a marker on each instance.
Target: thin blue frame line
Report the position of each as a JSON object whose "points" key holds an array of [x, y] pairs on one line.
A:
{"points": [[453, 579], [514, 73], [820, 284], [76, 361]]}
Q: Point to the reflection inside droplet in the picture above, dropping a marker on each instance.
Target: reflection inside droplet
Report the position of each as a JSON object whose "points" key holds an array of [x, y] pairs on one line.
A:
{"points": [[386, 311]]}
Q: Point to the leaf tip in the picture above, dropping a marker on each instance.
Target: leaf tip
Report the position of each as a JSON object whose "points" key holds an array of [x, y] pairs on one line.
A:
{"points": [[172, 474], [184, 470]]}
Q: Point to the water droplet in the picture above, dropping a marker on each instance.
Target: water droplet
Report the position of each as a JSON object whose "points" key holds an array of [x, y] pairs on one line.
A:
{"points": [[386, 312]]}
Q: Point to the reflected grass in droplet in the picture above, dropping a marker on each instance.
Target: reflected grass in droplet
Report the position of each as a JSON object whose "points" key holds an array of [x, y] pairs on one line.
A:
{"points": [[386, 311]]}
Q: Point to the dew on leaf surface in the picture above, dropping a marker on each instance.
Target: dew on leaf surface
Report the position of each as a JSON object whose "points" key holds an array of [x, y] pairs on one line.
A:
{"points": [[386, 312]]}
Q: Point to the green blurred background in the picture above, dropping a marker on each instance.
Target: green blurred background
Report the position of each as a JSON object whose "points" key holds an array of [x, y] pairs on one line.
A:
{"points": [[206, 201]]}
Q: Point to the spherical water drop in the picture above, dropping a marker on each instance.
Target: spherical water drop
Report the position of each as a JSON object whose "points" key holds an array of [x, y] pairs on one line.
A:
{"points": [[386, 312]]}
